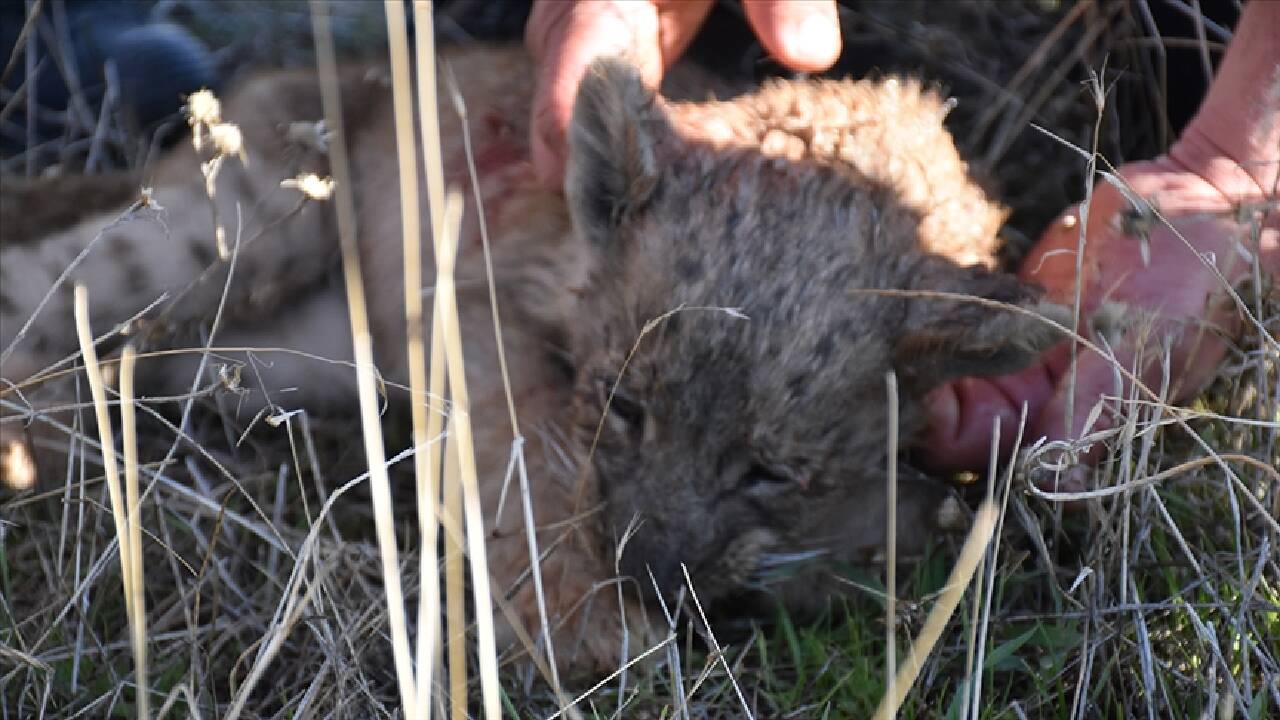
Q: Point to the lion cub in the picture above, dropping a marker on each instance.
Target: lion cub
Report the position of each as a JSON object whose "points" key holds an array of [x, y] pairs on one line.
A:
{"points": [[697, 343]]}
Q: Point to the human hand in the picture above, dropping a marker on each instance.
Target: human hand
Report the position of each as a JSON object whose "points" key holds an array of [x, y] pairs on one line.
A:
{"points": [[1183, 295], [564, 37], [1217, 188]]}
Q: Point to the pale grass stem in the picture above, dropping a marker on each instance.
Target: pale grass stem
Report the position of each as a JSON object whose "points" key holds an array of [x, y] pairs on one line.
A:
{"points": [[974, 548], [455, 577], [991, 563], [425, 485], [288, 613], [460, 419], [433, 169], [517, 448], [460, 106], [717, 651], [609, 678], [968, 691], [127, 537], [891, 537], [435, 429], [463, 492], [362, 341], [531, 537], [129, 428]]}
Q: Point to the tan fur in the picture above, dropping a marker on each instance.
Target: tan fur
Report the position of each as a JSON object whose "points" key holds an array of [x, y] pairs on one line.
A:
{"points": [[885, 135]]}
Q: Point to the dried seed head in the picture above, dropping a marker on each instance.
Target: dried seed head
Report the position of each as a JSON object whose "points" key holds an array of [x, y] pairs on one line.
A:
{"points": [[146, 200], [311, 185], [1137, 221], [220, 238], [1113, 320], [19, 469], [203, 108], [229, 376], [227, 139]]}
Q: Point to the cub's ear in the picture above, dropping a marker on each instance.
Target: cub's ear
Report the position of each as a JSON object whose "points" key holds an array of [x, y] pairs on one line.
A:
{"points": [[945, 338], [612, 138]]}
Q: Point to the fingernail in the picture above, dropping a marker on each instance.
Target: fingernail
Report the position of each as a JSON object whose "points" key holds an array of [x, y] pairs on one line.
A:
{"points": [[816, 39]]}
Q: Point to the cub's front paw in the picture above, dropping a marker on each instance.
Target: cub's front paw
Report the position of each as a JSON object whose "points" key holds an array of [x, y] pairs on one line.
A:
{"points": [[593, 632], [608, 637]]}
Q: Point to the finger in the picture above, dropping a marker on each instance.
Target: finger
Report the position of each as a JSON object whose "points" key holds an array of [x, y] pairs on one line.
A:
{"points": [[1192, 361], [678, 23], [1073, 410], [564, 38], [804, 35], [962, 414]]}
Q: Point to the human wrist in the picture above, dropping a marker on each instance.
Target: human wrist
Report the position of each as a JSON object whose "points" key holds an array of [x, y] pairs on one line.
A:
{"points": [[1229, 187], [1234, 140], [1204, 149]]}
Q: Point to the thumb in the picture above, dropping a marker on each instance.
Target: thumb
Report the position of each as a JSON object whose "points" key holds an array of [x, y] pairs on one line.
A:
{"points": [[963, 412], [564, 38], [803, 36], [1074, 410]]}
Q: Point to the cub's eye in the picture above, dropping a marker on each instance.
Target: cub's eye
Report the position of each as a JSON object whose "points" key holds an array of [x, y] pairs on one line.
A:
{"points": [[619, 404], [763, 479]]}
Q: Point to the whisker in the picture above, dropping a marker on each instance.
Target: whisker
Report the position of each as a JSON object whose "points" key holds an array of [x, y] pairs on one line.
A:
{"points": [[790, 558]]}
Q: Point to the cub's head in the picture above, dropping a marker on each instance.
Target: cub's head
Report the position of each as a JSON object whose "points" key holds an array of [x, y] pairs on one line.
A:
{"points": [[734, 338]]}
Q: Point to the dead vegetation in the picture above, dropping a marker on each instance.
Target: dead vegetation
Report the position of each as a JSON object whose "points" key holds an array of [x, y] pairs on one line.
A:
{"points": [[265, 591]]}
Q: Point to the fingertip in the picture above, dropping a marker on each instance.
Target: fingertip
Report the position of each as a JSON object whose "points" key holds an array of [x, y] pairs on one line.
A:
{"points": [[565, 39], [1070, 413], [815, 45], [802, 36], [961, 416], [679, 21]]}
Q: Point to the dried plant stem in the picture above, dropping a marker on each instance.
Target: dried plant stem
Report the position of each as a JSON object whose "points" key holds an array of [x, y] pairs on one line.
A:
{"points": [[28, 25], [455, 577], [119, 511], [517, 446], [990, 564], [362, 342], [429, 130], [425, 480], [461, 107], [129, 428], [974, 548], [428, 116], [446, 357], [717, 651], [460, 420], [891, 537], [664, 643], [535, 570]]}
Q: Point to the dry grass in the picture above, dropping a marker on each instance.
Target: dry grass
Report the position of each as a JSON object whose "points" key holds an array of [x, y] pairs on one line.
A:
{"points": [[267, 589]]}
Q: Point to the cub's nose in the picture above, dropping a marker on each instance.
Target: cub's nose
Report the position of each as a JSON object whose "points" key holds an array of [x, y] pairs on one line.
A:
{"points": [[651, 557]]}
